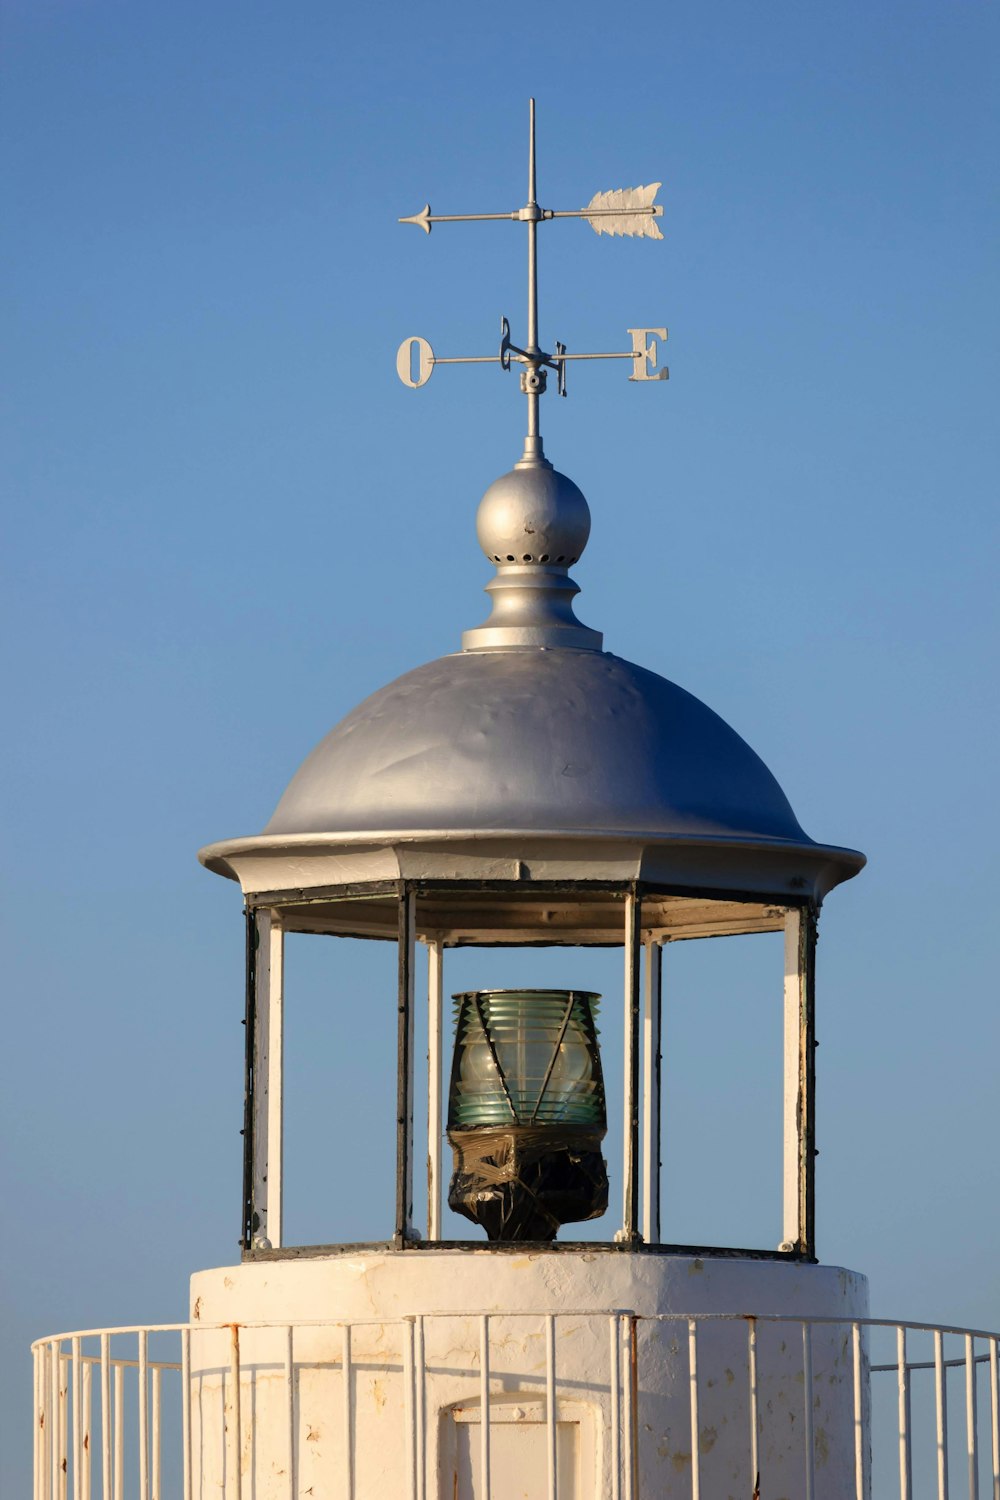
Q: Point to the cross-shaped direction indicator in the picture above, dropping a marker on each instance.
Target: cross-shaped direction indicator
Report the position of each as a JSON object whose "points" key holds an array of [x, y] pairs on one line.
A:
{"points": [[626, 211]]}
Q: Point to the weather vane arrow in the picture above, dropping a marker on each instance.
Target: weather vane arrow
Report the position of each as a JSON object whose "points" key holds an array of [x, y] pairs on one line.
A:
{"points": [[628, 212]]}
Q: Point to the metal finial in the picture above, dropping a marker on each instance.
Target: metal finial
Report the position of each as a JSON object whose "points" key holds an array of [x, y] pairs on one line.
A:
{"points": [[625, 211]]}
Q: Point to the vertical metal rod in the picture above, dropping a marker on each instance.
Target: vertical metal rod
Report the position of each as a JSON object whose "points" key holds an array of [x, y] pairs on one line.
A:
{"points": [[404, 1065], [807, 1410], [119, 1433], [651, 1096], [410, 1407], [185, 1414], [807, 1067], [941, 1410], [88, 1442], [615, 1370], [290, 1410], [630, 1142], [348, 1411], [550, 1405], [532, 269], [275, 1082], [54, 1418], [859, 1414], [435, 1044], [693, 1388], [754, 1415], [486, 1485], [143, 1416], [157, 1374], [903, 1384], [799, 1111], [235, 1426], [971, 1415], [995, 1415], [77, 1432], [421, 1388]]}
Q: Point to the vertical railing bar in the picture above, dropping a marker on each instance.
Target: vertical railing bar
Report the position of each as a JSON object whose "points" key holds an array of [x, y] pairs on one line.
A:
{"points": [[971, 1415], [39, 1425], [615, 1370], [941, 1415], [143, 1417], [754, 1418], [807, 1410], [106, 1417], [421, 1389], [290, 1409], [409, 1407], [185, 1413], [88, 1370], [995, 1415], [54, 1420], [484, 1407], [119, 1433], [157, 1375], [903, 1382], [77, 1433], [348, 1412], [64, 1375], [693, 1395], [550, 1404], [236, 1417], [859, 1414]]}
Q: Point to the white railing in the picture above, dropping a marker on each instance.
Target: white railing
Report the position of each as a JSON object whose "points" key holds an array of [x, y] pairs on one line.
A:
{"points": [[126, 1414]]}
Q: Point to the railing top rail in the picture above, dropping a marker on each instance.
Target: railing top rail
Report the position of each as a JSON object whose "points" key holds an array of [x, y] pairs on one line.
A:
{"points": [[843, 1320]]}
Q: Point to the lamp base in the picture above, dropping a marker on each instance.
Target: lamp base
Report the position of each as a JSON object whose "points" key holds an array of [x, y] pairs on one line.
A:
{"points": [[523, 1182]]}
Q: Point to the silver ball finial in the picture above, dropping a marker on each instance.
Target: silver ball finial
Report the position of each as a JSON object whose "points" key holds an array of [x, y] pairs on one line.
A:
{"points": [[533, 524]]}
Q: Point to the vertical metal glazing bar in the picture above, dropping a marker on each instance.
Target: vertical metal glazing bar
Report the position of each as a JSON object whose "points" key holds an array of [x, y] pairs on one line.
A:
{"points": [[250, 1029], [261, 1040], [404, 1066], [971, 1416], [143, 1415], [941, 1411], [435, 1046], [807, 1411], [651, 1097], [754, 1413], [275, 1081], [799, 1108], [630, 1134], [695, 1427], [859, 1414], [185, 1413], [119, 1433], [486, 1484], [615, 1390], [290, 1411], [157, 1379], [995, 1414], [903, 1387], [88, 1440], [550, 1406], [348, 1411]]}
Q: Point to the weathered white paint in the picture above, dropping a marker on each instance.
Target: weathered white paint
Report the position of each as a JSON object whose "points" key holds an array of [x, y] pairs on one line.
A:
{"points": [[435, 1128], [792, 1227], [651, 1094], [268, 1045], [547, 1367], [630, 1070]]}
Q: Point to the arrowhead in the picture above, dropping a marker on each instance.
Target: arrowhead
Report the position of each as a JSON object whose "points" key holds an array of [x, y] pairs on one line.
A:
{"points": [[423, 218]]}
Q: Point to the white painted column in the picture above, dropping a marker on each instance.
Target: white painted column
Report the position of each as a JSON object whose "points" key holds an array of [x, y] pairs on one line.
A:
{"points": [[651, 1096], [268, 1043], [798, 1172], [435, 1044], [630, 1080]]}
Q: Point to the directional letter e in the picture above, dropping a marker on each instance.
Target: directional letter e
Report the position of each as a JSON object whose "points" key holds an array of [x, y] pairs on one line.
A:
{"points": [[644, 361]]}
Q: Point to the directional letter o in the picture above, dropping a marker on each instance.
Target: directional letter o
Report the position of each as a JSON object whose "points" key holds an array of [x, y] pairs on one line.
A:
{"points": [[425, 362]]}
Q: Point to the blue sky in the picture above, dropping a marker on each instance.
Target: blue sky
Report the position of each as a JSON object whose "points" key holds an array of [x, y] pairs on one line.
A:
{"points": [[228, 522]]}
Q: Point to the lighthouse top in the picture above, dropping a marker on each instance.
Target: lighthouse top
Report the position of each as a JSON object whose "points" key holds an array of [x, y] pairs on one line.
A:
{"points": [[532, 752]]}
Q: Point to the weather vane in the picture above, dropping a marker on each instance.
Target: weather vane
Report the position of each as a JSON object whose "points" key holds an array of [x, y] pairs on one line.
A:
{"points": [[627, 211]]}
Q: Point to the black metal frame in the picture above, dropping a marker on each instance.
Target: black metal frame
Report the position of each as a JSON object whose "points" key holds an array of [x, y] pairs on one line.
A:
{"points": [[404, 1236]]}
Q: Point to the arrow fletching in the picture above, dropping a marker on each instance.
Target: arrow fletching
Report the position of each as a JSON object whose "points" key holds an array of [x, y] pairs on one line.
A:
{"points": [[423, 219], [626, 211]]}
